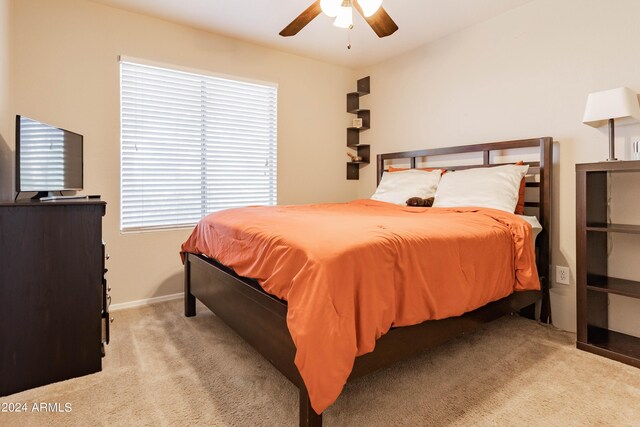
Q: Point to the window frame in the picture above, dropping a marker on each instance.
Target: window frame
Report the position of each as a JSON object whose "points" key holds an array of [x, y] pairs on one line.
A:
{"points": [[197, 72]]}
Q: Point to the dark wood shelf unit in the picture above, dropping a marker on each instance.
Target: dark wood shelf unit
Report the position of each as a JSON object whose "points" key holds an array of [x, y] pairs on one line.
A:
{"points": [[353, 170], [365, 115], [614, 285], [614, 228], [618, 166], [594, 284], [358, 129], [614, 345], [353, 102], [353, 133], [353, 138], [363, 87]]}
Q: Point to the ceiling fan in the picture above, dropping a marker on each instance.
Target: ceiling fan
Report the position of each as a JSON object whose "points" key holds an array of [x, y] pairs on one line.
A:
{"points": [[342, 10]]}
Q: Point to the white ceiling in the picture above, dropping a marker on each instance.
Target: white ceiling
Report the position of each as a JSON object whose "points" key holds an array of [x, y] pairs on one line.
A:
{"points": [[260, 21]]}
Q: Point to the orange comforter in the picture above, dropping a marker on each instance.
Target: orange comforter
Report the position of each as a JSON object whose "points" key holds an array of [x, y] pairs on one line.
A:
{"points": [[351, 271]]}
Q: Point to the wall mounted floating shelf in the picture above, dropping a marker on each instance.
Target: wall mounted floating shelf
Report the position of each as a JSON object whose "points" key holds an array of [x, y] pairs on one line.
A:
{"points": [[353, 133]]}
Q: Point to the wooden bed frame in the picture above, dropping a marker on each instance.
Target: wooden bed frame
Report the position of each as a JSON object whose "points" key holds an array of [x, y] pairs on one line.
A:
{"points": [[260, 318]]}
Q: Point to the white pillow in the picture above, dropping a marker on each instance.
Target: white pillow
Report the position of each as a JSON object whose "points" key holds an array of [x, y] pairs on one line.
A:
{"points": [[397, 187], [495, 187]]}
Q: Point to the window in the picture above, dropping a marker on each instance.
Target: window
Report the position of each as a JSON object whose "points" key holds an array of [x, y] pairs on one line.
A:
{"points": [[193, 144]]}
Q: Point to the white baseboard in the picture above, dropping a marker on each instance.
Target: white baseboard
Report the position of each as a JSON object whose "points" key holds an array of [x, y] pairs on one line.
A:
{"points": [[147, 301]]}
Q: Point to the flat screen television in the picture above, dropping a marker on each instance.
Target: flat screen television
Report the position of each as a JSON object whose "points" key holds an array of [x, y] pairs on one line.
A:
{"points": [[48, 159]]}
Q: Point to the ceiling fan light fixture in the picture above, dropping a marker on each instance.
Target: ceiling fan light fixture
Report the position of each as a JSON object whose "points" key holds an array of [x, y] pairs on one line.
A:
{"points": [[380, 22], [369, 7], [331, 8], [344, 18]]}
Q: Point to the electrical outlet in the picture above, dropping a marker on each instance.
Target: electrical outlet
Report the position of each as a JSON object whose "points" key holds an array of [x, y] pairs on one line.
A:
{"points": [[562, 275]]}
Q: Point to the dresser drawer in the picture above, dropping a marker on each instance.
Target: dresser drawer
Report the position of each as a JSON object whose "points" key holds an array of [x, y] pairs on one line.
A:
{"points": [[106, 302]]}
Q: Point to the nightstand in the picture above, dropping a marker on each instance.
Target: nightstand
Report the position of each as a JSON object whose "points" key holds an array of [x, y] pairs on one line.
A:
{"points": [[594, 284]]}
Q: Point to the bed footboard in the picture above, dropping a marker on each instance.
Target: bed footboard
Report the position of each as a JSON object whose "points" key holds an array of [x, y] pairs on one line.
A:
{"points": [[259, 318], [189, 299], [308, 417]]}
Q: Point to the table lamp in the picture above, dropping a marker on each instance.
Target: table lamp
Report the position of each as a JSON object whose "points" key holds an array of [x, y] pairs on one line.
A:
{"points": [[616, 105]]}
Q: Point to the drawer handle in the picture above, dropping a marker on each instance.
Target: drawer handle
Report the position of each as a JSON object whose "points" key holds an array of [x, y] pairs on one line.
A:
{"points": [[111, 320], [109, 289], [107, 256]]}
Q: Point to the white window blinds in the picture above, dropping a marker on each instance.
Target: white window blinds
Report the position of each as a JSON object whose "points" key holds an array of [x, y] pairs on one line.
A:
{"points": [[193, 144]]}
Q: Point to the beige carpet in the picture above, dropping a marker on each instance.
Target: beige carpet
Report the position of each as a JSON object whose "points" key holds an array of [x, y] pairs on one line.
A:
{"points": [[164, 369]]}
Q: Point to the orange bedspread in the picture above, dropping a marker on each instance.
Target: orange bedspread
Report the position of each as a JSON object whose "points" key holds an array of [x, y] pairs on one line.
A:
{"points": [[351, 271]]}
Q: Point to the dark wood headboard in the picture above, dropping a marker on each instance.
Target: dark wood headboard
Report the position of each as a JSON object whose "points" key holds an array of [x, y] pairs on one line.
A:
{"points": [[540, 204]]}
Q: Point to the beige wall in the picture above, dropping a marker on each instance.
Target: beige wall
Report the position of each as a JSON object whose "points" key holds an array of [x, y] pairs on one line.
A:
{"points": [[6, 122], [523, 74], [67, 74]]}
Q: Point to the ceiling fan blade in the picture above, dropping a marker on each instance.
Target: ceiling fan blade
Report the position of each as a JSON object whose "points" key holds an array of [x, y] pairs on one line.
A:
{"points": [[302, 20], [380, 21]]}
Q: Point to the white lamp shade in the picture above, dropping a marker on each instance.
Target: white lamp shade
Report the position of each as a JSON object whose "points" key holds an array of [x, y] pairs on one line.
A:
{"points": [[344, 18], [620, 104], [330, 7], [369, 7]]}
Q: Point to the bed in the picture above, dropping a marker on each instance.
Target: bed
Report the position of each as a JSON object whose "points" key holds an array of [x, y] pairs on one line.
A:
{"points": [[261, 318]]}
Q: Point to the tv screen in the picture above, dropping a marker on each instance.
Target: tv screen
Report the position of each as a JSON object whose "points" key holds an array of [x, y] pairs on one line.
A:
{"points": [[47, 158]]}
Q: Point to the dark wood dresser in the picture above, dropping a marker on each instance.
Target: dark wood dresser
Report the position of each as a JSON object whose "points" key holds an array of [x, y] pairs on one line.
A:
{"points": [[53, 298]]}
